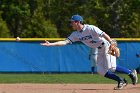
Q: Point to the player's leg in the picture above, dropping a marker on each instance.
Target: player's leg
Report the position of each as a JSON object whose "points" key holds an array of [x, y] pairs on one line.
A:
{"points": [[103, 69], [106, 65], [110, 75], [131, 73], [93, 62], [92, 70], [112, 66], [121, 81]]}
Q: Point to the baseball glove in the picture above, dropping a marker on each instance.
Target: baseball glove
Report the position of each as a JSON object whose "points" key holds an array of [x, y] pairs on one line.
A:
{"points": [[114, 50]]}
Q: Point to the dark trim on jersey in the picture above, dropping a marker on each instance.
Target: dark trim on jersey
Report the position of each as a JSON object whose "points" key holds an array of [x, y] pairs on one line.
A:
{"points": [[81, 31], [101, 34], [70, 40]]}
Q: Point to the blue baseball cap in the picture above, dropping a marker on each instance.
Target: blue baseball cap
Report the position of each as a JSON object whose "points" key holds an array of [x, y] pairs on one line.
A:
{"points": [[76, 18]]}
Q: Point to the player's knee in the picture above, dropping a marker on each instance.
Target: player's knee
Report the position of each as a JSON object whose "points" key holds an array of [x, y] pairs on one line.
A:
{"points": [[102, 73], [113, 69]]}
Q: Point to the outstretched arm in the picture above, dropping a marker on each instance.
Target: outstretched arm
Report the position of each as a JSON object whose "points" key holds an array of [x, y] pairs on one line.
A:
{"points": [[58, 43]]}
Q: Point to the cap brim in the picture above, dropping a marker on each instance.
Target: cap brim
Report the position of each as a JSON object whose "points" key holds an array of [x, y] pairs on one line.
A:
{"points": [[71, 20]]}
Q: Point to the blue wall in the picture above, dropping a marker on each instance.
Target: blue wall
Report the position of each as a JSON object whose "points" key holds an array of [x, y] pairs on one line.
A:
{"points": [[128, 56], [32, 57]]}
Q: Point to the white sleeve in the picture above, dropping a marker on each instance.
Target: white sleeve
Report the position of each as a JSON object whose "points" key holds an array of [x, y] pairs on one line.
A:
{"points": [[98, 31], [72, 38]]}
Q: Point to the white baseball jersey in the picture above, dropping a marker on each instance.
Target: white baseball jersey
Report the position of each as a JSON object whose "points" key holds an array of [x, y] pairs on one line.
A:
{"points": [[90, 35]]}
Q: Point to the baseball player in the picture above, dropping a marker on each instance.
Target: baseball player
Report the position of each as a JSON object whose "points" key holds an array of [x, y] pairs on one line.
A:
{"points": [[93, 58], [93, 37]]}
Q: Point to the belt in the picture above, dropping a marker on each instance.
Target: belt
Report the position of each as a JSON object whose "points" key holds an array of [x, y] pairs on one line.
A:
{"points": [[99, 47]]}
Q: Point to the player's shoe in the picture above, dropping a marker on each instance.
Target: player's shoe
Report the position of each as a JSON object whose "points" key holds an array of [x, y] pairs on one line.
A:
{"points": [[134, 77], [121, 85]]}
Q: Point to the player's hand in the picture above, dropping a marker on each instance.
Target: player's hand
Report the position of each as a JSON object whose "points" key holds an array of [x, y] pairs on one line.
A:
{"points": [[47, 43]]}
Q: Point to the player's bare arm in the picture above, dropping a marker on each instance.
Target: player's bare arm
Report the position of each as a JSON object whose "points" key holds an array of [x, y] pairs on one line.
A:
{"points": [[107, 37], [58, 43]]}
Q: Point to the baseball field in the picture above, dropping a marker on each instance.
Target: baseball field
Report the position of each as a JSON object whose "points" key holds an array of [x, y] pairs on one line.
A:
{"points": [[61, 83]]}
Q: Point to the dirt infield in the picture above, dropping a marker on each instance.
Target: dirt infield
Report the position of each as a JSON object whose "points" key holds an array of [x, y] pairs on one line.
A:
{"points": [[66, 88]]}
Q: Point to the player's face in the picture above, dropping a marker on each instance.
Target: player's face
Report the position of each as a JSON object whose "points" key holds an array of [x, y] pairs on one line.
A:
{"points": [[74, 24]]}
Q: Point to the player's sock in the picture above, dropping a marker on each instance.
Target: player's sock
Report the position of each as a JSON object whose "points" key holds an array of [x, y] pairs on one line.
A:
{"points": [[123, 70], [113, 76], [92, 69]]}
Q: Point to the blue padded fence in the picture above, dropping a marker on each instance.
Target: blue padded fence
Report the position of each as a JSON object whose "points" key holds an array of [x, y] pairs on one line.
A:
{"points": [[30, 56]]}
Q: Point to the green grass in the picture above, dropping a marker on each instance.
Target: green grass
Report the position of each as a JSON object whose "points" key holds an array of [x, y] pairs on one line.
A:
{"points": [[56, 78]]}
